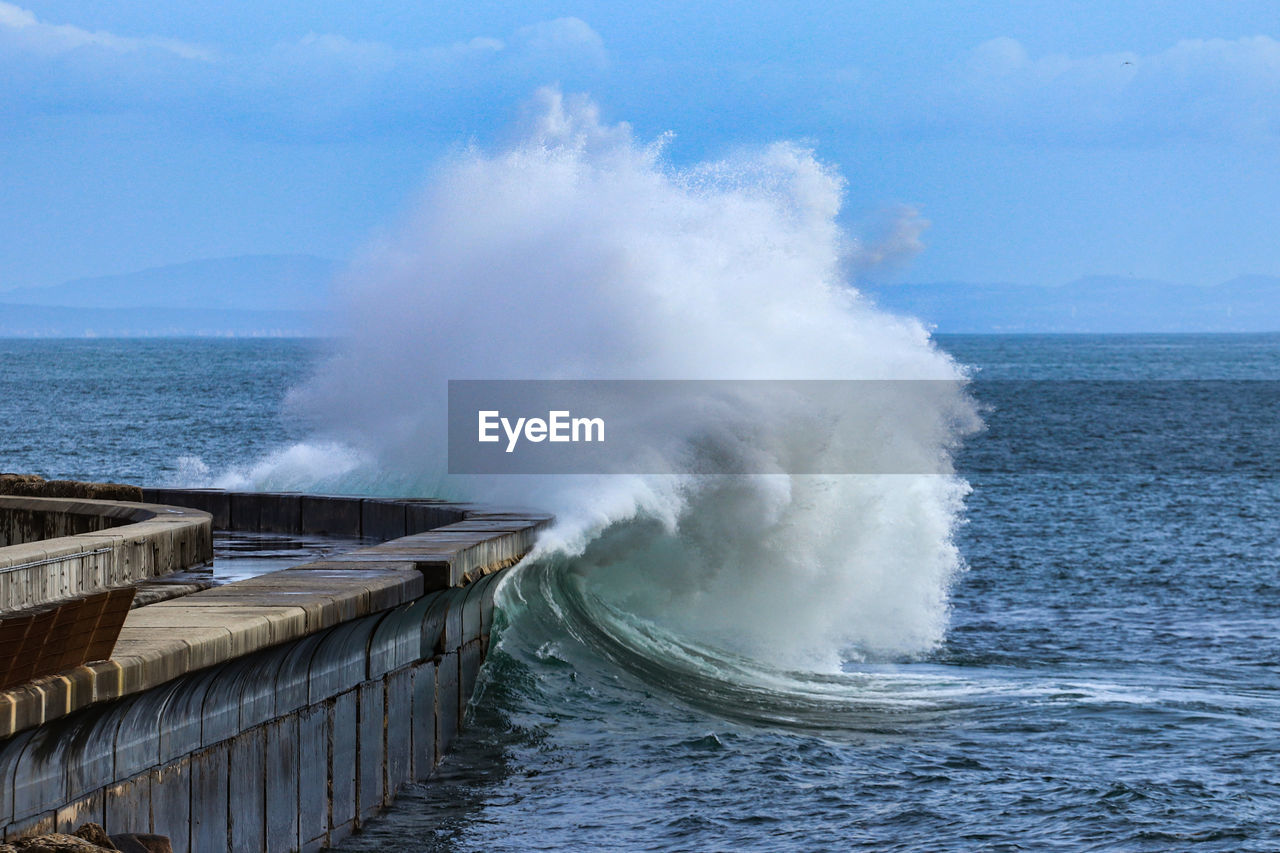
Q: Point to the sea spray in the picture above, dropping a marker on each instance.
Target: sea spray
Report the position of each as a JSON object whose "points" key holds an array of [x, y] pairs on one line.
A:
{"points": [[578, 252]]}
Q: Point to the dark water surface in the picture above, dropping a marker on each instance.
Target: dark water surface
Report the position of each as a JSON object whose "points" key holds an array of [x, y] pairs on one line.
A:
{"points": [[1110, 679], [133, 410]]}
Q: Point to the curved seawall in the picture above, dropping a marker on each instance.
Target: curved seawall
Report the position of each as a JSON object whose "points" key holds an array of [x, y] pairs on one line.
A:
{"points": [[274, 713], [52, 548]]}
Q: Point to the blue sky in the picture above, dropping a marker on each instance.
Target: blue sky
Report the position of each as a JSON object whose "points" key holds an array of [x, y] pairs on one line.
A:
{"points": [[1042, 141]]}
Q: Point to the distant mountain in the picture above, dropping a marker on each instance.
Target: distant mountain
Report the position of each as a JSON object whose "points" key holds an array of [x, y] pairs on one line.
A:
{"points": [[43, 321], [288, 295], [1094, 304], [247, 295]]}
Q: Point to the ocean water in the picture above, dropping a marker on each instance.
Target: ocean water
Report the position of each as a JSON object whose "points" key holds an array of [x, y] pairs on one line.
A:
{"points": [[1108, 676], [135, 410]]}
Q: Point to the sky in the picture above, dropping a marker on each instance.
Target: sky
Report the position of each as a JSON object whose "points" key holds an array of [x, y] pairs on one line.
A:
{"points": [[1040, 141]]}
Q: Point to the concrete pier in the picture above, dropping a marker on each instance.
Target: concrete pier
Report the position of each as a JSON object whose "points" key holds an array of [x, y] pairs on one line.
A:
{"points": [[52, 548], [279, 712]]}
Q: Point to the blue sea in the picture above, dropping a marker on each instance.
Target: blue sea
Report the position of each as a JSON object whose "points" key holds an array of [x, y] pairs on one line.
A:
{"points": [[1109, 677]]}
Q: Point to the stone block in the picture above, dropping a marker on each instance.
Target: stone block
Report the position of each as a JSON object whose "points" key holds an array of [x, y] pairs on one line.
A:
{"points": [[108, 679], [292, 607], [373, 750], [8, 715], [470, 659], [27, 708], [446, 703], [210, 787], [344, 758], [424, 720], [471, 608], [340, 661], [338, 832], [52, 693], [75, 814], [182, 717], [361, 587], [283, 768], [431, 634], [128, 805], [449, 557], [397, 641], [382, 645], [216, 502], [258, 687], [41, 824], [91, 760], [292, 685], [220, 712], [313, 778], [382, 519], [421, 516], [246, 801], [171, 803], [271, 512], [252, 621], [453, 600], [137, 746], [409, 648], [145, 663], [442, 624], [210, 637], [39, 780], [399, 713], [331, 515]]}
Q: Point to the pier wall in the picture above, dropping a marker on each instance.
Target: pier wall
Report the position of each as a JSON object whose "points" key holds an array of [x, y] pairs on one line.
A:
{"points": [[280, 712], [53, 548]]}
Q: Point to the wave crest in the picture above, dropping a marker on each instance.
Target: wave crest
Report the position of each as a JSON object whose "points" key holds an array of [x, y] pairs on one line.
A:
{"points": [[579, 252]]}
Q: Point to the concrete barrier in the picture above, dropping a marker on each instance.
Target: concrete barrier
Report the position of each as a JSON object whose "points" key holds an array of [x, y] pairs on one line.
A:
{"points": [[279, 712], [56, 548], [337, 515]]}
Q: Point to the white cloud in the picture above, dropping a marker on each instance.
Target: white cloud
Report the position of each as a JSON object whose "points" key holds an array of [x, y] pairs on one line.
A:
{"points": [[328, 84], [563, 36], [373, 56], [1197, 87], [322, 84], [21, 30]]}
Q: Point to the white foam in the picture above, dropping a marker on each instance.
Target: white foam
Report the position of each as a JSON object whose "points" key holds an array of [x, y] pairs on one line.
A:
{"points": [[577, 252]]}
